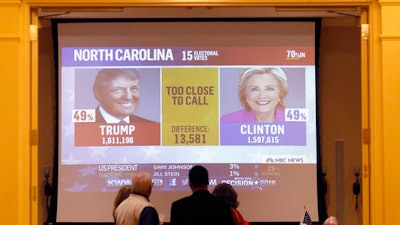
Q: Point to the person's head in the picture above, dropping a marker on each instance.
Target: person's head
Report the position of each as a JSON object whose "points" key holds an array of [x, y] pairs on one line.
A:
{"points": [[142, 184], [198, 177], [331, 221], [262, 89], [225, 192], [122, 194], [117, 91]]}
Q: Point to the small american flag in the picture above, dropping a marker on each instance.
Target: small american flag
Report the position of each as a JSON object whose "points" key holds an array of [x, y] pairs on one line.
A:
{"points": [[307, 219]]}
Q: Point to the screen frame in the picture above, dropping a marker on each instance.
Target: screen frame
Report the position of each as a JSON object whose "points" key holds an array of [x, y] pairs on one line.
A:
{"points": [[321, 186]]}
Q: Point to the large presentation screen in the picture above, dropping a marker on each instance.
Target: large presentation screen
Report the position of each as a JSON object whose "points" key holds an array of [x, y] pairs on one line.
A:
{"points": [[236, 96]]}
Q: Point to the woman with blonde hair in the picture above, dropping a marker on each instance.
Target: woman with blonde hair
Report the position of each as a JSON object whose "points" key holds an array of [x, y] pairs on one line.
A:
{"points": [[262, 92], [123, 193]]}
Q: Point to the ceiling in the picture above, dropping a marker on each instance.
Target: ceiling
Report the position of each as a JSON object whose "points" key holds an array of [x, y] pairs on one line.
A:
{"points": [[198, 12]]}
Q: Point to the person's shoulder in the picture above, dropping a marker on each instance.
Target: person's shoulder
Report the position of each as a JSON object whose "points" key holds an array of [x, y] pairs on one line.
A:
{"points": [[138, 119], [221, 203], [279, 114], [98, 117], [150, 209], [127, 200], [207, 196], [181, 203], [237, 116]]}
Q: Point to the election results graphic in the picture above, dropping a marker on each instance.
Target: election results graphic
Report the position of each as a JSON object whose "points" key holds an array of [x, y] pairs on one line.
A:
{"points": [[128, 108]]}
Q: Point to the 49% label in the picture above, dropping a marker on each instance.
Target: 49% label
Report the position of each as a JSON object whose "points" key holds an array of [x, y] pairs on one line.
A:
{"points": [[83, 115], [296, 114]]}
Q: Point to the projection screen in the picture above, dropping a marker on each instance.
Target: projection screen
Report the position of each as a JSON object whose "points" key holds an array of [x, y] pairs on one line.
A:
{"points": [[194, 113]]}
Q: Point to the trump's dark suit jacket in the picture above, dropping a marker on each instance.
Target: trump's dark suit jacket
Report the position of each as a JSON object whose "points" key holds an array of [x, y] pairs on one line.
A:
{"points": [[132, 118], [201, 208]]}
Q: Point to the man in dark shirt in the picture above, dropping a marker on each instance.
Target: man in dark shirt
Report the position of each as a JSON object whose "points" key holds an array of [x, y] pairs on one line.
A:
{"points": [[200, 208]]}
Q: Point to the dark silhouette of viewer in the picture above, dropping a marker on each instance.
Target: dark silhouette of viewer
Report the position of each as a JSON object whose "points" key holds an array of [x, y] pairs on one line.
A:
{"points": [[200, 208], [117, 91], [227, 193]]}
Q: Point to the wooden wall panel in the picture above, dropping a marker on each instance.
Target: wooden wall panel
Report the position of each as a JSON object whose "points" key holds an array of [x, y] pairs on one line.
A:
{"points": [[9, 15]]}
